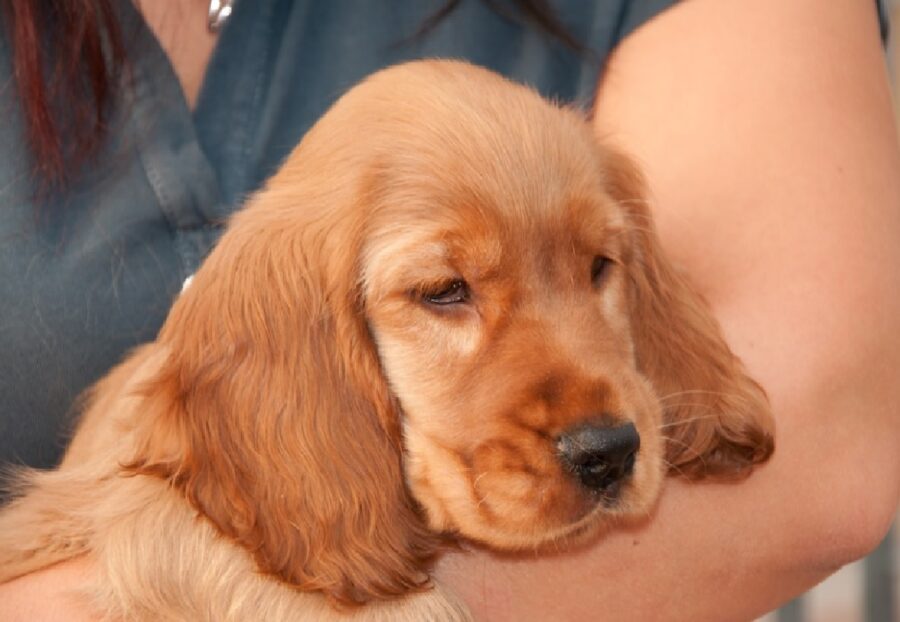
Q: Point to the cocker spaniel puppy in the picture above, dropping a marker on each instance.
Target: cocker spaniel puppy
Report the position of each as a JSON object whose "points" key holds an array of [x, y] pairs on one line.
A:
{"points": [[446, 316]]}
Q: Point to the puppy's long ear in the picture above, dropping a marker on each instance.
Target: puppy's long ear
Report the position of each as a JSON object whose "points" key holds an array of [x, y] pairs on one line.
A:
{"points": [[271, 415], [716, 418]]}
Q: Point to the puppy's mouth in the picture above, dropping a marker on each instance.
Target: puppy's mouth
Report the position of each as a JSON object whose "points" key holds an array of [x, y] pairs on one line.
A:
{"points": [[584, 479]]}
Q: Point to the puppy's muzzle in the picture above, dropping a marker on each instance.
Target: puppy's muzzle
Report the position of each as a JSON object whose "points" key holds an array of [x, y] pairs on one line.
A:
{"points": [[600, 456]]}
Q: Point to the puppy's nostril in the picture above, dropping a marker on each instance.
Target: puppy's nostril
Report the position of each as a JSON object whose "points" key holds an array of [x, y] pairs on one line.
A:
{"points": [[600, 456]]}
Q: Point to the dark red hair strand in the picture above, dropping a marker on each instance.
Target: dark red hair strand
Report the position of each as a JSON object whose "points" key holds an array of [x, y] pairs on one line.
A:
{"points": [[67, 56]]}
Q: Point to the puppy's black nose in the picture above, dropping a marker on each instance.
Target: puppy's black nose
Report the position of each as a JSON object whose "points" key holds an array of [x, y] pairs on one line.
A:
{"points": [[600, 456]]}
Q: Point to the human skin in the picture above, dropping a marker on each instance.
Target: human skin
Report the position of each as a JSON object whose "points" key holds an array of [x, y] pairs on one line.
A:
{"points": [[766, 134]]}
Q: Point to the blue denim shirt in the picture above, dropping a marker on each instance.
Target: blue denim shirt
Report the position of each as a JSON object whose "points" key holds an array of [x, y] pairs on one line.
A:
{"points": [[88, 275]]}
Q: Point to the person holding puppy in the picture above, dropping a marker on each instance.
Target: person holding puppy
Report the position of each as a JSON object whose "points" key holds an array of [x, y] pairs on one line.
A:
{"points": [[766, 137]]}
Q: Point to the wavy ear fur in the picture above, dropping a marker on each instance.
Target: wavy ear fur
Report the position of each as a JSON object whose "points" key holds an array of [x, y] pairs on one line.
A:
{"points": [[716, 418], [271, 414]]}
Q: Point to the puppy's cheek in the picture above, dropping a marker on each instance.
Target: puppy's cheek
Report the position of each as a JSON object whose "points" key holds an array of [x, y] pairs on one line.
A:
{"points": [[485, 502], [436, 478], [521, 488], [423, 364]]}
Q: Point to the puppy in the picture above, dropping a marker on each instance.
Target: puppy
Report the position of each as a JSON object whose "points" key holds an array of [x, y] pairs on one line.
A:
{"points": [[446, 316]]}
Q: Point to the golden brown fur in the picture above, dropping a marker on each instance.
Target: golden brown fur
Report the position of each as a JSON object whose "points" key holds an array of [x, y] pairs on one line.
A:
{"points": [[308, 424]]}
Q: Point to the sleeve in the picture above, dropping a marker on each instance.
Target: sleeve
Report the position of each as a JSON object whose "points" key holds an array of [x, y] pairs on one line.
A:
{"points": [[638, 12], [884, 20]]}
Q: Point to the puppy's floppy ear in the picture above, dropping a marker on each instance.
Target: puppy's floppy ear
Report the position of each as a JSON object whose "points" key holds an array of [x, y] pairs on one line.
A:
{"points": [[716, 418], [271, 415]]}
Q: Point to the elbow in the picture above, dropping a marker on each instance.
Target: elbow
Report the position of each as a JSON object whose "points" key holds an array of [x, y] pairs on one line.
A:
{"points": [[872, 460], [857, 529], [856, 471], [841, 517], [842, 455]]}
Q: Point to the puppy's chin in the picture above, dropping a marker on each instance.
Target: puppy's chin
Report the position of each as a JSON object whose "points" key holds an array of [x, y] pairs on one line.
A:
{"points": [[513, 509]]}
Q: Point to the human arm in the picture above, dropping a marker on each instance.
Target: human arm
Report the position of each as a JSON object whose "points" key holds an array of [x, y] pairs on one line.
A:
{"points": [[47, 595], [766, 134]]}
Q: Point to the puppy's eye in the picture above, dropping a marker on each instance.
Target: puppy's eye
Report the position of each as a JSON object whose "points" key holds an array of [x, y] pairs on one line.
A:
{"points": [[454, 292], [600, 269]]}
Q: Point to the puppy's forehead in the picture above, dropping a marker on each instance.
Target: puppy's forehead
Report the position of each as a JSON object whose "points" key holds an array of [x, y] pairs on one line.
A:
{"points": [[406, 251], [467, 126], [522, 166], [482, 241], [497, 198], [471, 165]]}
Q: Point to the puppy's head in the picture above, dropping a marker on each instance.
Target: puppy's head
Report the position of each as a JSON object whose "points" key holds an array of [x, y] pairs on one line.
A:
{"points": [[446, 313], [528, 325]]}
